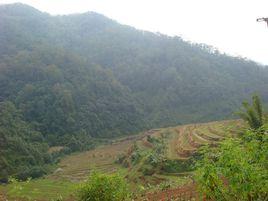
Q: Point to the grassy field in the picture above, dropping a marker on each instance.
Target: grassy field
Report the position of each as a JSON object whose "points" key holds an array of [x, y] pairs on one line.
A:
{"points": [[39, 189], [179, 144]]}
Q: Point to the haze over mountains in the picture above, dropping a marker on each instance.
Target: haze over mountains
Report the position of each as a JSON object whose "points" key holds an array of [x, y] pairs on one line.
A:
{"points": [[68, 78]]}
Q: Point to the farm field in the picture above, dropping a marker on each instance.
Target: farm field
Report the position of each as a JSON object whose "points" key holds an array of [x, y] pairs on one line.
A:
{"points": [[151, 162], [39, 189]]}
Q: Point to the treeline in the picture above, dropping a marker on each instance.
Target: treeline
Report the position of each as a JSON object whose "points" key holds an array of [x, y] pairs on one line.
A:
{"points": [[24, 150]]}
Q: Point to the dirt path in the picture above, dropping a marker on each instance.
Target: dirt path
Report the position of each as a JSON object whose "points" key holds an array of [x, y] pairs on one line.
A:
{"points": [[2, 197], [186, 192]]}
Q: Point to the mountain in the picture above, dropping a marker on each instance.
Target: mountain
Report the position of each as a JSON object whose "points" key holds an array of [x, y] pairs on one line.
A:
{"points": [[76, 77]]}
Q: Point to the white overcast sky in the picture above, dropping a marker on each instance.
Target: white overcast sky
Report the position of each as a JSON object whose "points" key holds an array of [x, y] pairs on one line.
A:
{"points": [[229, 25]]}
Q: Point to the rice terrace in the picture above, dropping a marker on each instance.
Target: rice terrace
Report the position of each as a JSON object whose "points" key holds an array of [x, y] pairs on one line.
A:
{"points": [[146, 161]]}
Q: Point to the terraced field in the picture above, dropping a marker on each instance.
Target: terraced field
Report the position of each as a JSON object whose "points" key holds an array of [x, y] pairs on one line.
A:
{"points": [[185, 140], [77, 166], [179, 142]]}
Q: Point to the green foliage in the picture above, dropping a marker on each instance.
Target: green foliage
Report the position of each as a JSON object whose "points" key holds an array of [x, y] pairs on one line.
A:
{"points": [[253, 114], [102, 187], [176, 166], [236, 170], [118, 82], [148, 170], [23, 150], [103, 80]]}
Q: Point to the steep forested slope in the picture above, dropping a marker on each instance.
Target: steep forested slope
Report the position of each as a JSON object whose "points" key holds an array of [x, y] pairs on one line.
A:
{"points": [[80, 76]]}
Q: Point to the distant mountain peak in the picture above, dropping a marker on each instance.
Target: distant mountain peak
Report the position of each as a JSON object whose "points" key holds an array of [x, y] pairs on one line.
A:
{"points": [[19, 9]]}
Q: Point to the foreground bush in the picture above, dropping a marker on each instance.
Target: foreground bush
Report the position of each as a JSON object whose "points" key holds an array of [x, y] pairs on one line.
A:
{"points": [[236, 170], [103, 187]]}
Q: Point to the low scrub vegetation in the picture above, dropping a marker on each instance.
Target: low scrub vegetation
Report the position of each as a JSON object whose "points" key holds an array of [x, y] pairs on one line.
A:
{"points": [[103, 187], [237, 169]]}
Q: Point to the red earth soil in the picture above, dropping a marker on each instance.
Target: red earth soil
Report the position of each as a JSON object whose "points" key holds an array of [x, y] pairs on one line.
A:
{"points": [[186, 192]]}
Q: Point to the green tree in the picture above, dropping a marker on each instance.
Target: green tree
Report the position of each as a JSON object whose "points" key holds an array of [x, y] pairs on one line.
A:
{"points": [[103, 187], [252, 114], [23, 151]]}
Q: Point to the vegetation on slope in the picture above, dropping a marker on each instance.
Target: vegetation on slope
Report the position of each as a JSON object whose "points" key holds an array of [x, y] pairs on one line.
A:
{"points": [[84, 76], [253, 114], [23, 150], [153, 157], [103, 187], [238, 169], [147, 164]]}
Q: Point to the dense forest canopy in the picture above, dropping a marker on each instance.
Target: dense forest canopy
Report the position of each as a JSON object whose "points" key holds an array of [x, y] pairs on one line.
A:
{"points": [[74, 77]]}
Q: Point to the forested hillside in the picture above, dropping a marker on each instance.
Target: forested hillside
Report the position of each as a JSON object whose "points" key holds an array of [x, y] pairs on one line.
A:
{"points": [[79, 76]]}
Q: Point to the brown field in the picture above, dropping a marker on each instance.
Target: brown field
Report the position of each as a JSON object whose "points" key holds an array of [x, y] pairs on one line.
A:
{"points": [[182, 141], [77, 166], [185, 140]]}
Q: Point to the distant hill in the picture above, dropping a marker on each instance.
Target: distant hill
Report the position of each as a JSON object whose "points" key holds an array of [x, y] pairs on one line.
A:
{"points": [[79, 76]]}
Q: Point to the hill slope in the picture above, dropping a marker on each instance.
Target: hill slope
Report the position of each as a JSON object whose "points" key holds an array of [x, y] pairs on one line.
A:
{"points": [[79, 76], [169, 80]]}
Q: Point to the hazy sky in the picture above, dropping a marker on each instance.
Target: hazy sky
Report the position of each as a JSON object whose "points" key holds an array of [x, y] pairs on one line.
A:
{"points": [[229, 25]]}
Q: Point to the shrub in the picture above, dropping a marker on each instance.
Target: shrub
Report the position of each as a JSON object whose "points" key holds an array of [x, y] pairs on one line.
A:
{"points": [[103, 187], [136, 156], [148, 170], [236, 170], [33, 172], [176, 166], [120, 159]]}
